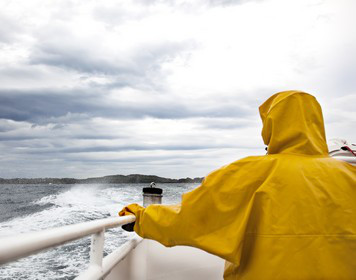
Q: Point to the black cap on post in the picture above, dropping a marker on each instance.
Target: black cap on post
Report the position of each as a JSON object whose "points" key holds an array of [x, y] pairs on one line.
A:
{"points": [[152, 190], [152, 195]]}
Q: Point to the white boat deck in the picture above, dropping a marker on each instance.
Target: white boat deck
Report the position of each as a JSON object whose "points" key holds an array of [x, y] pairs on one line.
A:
{"points": [[152, 261]]}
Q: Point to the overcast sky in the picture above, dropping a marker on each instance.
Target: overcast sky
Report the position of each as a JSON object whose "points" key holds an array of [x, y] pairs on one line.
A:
{"points": [[171, 88]]}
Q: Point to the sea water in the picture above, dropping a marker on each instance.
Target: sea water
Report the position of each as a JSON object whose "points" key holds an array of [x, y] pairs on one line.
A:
{"points": [[26, 208]]}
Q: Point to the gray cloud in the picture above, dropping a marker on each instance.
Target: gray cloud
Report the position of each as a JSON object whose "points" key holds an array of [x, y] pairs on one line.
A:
{"points": [[227, 123], [230, 2], [21, 72], [192, 3], [118, 13], [75, 58], [122, 148], [44, 106], [9, 29], [37, 106], [58, 47]]}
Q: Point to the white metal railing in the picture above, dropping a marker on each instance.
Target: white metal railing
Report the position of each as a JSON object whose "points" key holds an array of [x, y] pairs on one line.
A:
{"points": [[98, 271], [22, 245]]}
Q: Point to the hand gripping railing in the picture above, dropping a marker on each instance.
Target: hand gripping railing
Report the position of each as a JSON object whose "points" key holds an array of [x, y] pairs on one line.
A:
{"points": [[16, 247]]}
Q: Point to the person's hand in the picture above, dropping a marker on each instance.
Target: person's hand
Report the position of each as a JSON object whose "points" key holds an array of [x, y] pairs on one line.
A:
{"points": [[131, 209]]}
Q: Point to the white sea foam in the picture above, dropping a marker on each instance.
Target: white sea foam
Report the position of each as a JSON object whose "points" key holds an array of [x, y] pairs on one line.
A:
{"points": [[73, 205]]}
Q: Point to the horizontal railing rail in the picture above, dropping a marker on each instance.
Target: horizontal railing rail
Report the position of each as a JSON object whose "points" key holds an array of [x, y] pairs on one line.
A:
{"points": [[16, 247]]}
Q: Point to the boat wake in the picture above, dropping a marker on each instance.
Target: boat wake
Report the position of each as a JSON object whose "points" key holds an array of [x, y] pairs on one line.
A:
{"points": [[70, 205]]}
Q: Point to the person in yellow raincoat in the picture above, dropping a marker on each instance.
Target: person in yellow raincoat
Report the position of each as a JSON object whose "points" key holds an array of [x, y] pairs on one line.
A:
{"points": [[290, 214]]}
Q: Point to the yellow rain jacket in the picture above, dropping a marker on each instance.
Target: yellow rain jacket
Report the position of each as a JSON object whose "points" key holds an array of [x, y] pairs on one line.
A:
{"points": [[290, 214]]}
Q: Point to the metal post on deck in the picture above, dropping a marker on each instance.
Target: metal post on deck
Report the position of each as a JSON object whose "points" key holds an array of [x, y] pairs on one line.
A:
{"points": [[152, 195], [97, 248]]}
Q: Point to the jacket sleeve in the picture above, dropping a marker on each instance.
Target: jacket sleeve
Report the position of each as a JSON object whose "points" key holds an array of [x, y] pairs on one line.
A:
{"points": [[212, 217]]}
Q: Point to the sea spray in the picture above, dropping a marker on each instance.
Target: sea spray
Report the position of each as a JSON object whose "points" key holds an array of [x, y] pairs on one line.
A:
{"points": [[69, 204]]}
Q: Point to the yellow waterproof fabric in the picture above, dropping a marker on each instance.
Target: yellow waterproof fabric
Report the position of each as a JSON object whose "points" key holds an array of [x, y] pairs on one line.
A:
{"points": [[290, 214]]}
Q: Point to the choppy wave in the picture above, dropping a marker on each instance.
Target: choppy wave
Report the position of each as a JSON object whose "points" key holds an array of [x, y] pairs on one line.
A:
{"points": [[68, 206]]}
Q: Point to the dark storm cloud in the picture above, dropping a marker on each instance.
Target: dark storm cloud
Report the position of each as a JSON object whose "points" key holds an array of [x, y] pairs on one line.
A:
{"points": [[35, 105], [123, 148], [5, 137], [41, 107]]}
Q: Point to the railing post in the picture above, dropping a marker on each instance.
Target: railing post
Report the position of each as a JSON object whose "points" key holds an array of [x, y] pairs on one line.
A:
{"points": [[97, 248], [152, 195]]}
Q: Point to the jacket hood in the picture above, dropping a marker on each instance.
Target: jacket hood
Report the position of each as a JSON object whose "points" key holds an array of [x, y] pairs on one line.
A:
{"points": [[293, 124]]}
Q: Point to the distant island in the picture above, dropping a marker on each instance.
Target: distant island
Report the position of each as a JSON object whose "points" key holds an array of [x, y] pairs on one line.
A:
{"points": [[111, 179]]}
